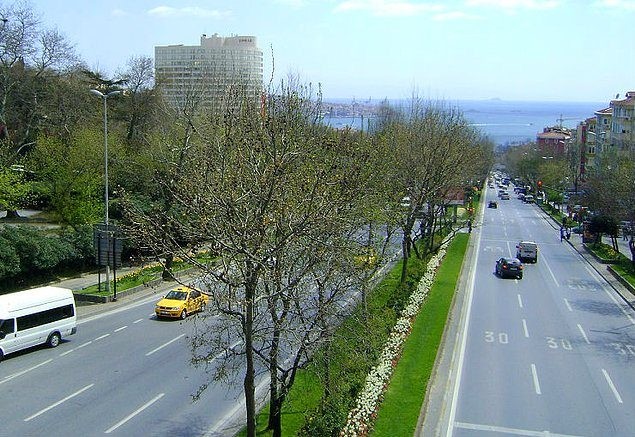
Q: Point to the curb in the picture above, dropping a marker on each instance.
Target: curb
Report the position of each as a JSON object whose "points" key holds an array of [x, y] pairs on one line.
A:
{"points": [[94, 298]]}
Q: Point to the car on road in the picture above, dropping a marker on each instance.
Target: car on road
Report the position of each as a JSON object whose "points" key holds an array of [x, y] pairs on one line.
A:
{"points": [[492, 204], [180, 302], [509, 267], [527, 251], [528, 198], [504, 196]]}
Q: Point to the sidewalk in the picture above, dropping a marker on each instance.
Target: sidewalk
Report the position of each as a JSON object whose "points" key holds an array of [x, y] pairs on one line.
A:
{"points": [[86, 309], [602, 269]]}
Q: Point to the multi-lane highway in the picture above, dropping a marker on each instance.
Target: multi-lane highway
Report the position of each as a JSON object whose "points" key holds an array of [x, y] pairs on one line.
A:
{"points": [[550, 354], [123, 373]]}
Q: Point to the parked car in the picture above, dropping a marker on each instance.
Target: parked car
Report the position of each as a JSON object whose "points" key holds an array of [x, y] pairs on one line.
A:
{"points": [[180, 302], [509, 267], [492, 204], [528, 198], [504, 196]]}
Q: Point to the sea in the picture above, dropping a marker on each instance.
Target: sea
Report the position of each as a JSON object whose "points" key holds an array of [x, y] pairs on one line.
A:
{"points": [[504, 122]]}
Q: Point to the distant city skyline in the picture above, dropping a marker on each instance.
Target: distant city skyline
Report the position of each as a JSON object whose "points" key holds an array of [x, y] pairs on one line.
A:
{"points": [[542, 50]]}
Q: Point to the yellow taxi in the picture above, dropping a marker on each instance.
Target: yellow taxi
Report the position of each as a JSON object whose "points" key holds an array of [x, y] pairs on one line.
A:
{"points": [[180, 302]]}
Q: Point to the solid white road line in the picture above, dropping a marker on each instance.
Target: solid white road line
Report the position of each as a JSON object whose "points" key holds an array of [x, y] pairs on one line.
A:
{"points": [[134, 413], [466, 325], [584, 334], [520, 301], [525, 328], [566, 302], [505, 430], [15, 375], [164, 345], [613, 389], [535, 376], [50, 407]]}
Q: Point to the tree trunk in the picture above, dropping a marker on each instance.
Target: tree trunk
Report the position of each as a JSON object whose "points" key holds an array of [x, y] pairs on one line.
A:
{"points": [[167, 268], [249, 381], [274, 404], [13, 214], [405, 254]]}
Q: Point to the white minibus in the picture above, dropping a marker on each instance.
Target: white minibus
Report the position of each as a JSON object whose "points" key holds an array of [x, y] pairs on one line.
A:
{"points": [[36, 316]]}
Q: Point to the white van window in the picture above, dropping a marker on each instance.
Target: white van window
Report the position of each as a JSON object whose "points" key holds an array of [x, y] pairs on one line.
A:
{"points": [[44, 317], [6, 327]]}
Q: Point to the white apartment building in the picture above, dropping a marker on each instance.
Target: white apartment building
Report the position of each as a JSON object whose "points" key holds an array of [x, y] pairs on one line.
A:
{"points": [[202, 75]]}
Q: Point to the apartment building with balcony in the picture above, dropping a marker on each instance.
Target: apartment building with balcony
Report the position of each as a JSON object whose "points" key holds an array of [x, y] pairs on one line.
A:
{"points": [[623, 124], [203, 75]]}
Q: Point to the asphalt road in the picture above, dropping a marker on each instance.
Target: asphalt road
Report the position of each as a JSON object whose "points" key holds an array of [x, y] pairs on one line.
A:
{"points": [[550, 354], [123, 373]]}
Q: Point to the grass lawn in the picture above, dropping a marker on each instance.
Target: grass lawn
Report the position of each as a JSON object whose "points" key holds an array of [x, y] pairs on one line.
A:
{"points": [[400, 409]]}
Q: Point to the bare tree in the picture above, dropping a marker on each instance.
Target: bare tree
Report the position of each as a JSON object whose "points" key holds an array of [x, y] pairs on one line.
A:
{"points": [[140, 96], [274, 194], [433, 146]]}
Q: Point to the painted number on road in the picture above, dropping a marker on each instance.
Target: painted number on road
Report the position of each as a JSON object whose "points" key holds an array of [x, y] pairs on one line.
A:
{"points": [[492, 337], [581, 285], [623, 348], [557, 343]]}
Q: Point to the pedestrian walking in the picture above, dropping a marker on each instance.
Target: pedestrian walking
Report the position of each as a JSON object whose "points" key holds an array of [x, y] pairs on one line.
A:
{"points": [[469, 226], [561, 233]]}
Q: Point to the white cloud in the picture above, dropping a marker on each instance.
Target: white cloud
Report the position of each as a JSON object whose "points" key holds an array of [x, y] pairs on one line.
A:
{"points": [[454, 15], [118, 13], [628, 5], [189, 11], [515, 4], [389, 7], [292, 3]]}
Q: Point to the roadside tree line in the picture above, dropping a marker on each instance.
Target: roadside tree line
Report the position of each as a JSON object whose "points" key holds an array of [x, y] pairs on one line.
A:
{"points": [[606, 188], [298, 215]]}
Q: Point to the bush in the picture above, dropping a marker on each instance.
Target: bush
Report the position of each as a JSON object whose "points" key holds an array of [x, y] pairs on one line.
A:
{"points": [[26, 251]]}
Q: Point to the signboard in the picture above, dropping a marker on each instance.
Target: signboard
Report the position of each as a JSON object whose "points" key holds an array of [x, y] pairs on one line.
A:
{"points": [[108, 244]]}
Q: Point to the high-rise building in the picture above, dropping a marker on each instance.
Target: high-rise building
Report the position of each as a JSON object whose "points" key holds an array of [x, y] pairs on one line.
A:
{"points": [[203, 75]]}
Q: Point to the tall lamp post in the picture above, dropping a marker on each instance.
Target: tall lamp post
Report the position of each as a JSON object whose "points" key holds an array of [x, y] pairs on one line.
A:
{"points": [[104, 97]]}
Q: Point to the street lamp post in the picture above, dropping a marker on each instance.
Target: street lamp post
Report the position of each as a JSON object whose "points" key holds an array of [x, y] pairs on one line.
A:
{"points": [[104, 97]]}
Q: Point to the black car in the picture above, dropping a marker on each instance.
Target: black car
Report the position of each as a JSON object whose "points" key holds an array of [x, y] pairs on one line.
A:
{"points": [[492, 204], [509, 267]]}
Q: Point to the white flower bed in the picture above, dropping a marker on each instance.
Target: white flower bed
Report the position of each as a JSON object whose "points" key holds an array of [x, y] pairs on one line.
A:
{"points": [[361, 417]]}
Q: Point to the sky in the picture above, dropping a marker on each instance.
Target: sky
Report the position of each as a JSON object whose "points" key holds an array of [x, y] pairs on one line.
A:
{"points": [[541, 50]]}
